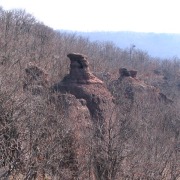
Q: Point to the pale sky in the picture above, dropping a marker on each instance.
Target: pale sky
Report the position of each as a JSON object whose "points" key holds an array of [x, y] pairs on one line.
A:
{"points": [[161, 16]]}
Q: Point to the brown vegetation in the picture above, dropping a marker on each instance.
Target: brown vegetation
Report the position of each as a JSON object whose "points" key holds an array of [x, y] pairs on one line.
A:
{"points": [[61, 123]]}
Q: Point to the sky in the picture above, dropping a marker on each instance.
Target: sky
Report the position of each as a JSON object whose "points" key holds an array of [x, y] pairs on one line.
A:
{"points": [[159, 16]]}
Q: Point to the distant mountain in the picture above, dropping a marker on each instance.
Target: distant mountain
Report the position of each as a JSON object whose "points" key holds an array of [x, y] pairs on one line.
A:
{"points": [[157, 45]]}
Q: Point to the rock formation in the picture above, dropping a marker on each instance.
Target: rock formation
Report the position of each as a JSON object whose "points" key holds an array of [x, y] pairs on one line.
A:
{"points": [[84, 85], [74, 112], [128, 88], [124, 72], [79, 71]]}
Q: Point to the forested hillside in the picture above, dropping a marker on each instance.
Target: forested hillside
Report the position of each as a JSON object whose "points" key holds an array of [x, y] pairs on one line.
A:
{"points": [[100, 113]]}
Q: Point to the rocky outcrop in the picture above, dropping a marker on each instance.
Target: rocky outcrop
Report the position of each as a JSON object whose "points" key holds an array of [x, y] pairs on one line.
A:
{"points": [[81, 83], [123, 72], [128, 89], [79, 71], [87, 88], [72, 111]]}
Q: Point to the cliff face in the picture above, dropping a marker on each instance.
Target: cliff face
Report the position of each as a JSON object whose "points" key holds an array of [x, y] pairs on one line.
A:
{"points": [[81, 83]]}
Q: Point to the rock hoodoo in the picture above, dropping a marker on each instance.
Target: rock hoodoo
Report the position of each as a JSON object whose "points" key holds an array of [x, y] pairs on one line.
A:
{"points": [[81, 83], [79, 71], [87, 88]]}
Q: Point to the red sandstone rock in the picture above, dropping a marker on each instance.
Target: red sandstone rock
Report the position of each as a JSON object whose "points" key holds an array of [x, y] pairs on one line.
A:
{"points": [[127, 89], [81, 83], [79, 71]]}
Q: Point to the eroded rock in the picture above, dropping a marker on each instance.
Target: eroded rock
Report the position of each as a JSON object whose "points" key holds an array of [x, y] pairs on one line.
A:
{"points": [[128, 89], [81, 83], [86, 87], [79, 71]]}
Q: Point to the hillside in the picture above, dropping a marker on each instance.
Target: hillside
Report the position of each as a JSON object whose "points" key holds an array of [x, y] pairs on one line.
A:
{"points": [[160, 45], [74, 109]]}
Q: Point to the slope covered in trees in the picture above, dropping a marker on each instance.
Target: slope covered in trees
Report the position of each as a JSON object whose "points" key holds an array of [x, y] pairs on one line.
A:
{"points": [[53, 135]]}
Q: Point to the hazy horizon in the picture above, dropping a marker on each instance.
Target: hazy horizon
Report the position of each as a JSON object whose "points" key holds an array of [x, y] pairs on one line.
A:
{"points": [[115, 15], [157, 45], [115, 31]]}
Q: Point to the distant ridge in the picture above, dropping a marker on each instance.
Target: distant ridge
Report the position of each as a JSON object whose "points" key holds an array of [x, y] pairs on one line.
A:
{"points": [[159, 45]]}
